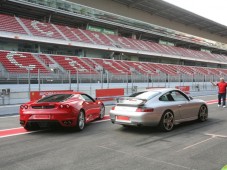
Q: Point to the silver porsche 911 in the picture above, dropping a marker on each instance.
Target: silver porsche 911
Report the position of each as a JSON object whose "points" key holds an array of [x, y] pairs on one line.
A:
{"points": [[164, 107]]}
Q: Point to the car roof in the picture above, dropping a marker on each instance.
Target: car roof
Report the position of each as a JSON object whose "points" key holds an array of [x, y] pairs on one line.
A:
{"points": [[161, 89], [68, 93]]}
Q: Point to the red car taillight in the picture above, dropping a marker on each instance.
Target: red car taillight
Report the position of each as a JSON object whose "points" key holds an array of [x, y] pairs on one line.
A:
{"points": [[24, 106], [64, 106], [113, 108], [144, 109]]}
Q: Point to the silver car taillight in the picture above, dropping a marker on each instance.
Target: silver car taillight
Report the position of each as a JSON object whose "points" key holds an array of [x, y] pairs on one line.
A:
{"points": [[139, 109]]}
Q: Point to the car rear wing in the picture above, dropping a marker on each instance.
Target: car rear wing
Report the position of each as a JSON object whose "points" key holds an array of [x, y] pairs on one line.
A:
{"points": [[130, 101]]}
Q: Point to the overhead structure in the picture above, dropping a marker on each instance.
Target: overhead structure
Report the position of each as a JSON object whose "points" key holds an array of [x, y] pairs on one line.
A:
{"points": [[173, 13]]}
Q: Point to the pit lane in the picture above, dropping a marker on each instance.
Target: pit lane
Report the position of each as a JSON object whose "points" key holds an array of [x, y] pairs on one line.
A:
{"points": [[102, 145]]}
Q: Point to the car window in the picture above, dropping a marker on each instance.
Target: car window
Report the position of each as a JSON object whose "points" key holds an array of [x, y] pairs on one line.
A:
{"points": [[166, 97], [147, 95], [55, 98], [87, 98], [177, 96], [136, 94]]}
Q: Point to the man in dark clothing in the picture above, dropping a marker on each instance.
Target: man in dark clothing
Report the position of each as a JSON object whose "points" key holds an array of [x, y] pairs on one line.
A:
{"points": [[221, 91]]}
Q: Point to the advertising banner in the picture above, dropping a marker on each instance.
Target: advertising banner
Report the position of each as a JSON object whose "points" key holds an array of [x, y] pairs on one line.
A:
{"points": [[36, 95]]}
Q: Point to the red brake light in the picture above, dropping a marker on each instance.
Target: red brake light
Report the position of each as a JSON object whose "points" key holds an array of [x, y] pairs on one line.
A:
{"points": [[144, 109], [24, 106], [113, 108], [64, 106]]}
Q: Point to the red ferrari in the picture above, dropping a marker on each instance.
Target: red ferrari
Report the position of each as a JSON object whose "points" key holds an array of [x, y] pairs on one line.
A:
{"points": [[72, 109]]}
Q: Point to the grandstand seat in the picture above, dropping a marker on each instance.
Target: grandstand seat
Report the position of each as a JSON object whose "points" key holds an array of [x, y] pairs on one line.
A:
{"points": [[98, 38], [165, 68], [110, 66], [137, 66], [181, 69], [16, 62], [213, 71], [10, 24], [200, 70], [122, 42], [45, 59], [41, 29], [222, 71], [74, 65], [48, 30], [74, 34]]}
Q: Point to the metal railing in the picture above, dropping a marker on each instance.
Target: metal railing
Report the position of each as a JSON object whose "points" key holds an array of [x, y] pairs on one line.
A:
{"points": [[16, 88]]}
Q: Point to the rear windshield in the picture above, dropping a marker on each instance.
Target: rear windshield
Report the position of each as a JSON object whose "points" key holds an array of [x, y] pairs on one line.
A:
{"points": [[147, 95], [56, 98]]}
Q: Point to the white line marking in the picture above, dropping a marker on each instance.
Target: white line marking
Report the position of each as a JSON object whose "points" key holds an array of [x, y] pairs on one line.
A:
{"points": [[20, 134], [155, 160], [190, 146], [214, 135]]}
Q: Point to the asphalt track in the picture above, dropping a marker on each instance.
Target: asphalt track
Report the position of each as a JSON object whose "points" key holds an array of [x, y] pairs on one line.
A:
{"points": [[102, 145]]}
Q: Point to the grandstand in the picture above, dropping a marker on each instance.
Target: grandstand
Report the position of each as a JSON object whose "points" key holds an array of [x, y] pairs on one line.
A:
{"points": [[57, 38]]}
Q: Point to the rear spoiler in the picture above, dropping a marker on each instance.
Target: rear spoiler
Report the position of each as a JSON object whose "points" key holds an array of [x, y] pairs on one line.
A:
{"points": [[130, 101]]}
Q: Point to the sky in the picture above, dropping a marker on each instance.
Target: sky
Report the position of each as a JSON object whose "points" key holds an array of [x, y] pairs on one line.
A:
{"points": [[215, 10]]}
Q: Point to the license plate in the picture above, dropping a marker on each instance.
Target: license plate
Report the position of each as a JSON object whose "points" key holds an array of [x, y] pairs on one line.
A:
{"points": [[123, 118], [41, 116]]}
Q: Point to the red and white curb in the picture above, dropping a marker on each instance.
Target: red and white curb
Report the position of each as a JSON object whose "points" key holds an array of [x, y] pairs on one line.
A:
{"points": [[14, 132], [20, 130]]}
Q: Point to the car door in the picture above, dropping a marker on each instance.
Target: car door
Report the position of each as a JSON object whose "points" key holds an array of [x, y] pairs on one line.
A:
{"points": [[183, 103], [91, 107], [167, 102]]}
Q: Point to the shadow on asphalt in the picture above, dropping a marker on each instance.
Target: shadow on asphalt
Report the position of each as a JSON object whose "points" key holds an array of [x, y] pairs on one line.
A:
{"points": [[178, 129]]}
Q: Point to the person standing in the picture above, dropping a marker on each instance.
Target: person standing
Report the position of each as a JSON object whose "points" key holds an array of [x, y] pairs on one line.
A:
{"points": [[221, 91]]}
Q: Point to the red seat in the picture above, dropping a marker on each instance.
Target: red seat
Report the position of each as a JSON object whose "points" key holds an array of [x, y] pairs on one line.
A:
{"points": [[21, 62]]}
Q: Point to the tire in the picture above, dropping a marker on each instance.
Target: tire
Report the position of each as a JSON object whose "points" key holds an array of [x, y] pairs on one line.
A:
{"points": [[203, 113], [80, 121], [102, 112], [31, 127], [166, 123]]}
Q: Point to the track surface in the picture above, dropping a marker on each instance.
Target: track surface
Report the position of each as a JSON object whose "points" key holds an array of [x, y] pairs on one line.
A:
{"points": [[102, 145]]}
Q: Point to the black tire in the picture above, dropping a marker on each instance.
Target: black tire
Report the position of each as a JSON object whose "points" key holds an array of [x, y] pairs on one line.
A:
{"points": [[102, 112], [31, 127], [80, 121], [166, 123], [203, 113]]}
